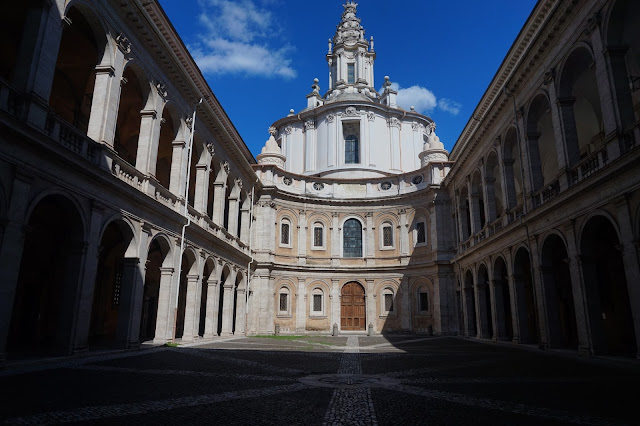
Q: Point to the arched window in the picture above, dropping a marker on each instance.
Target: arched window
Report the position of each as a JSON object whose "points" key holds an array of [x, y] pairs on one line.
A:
{"points": [[387, 240], [285, 233], [317, 302], [283, 302], [352, 239], [422, 300], [318, 236], [388, 301]]}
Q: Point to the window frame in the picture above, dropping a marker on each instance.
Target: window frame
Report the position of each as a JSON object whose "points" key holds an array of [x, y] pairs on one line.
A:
{"points": [[387, 224], [313, 236], [285, 221], [351, 66], [388, 291], [284, 291], [317, 291], [419, 292], [362, 239], [355, 140], [417, 243]]}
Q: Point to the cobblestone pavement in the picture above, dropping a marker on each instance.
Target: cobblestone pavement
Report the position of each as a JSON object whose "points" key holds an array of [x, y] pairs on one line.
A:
{"points": [[354, 380]]}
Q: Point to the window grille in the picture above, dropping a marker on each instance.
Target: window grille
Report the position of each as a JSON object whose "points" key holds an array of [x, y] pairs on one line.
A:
{"points": [[387, 236], [421, 234], [284, 234], [317, 236], [388, 302], [317, 303], [283, 302], [351, 149], [352, 238]]}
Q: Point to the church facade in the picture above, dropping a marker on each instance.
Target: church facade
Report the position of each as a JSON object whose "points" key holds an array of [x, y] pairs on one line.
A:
{"points": [[125, 218]]}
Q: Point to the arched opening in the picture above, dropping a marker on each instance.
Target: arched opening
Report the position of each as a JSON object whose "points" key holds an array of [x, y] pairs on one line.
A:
{"points": [[74, 76], [606, 288], [543, 158], [12, 27], [45, 299], [477, 199], [623, 51], [158, 251], [188, 264], [525, 299], [493, 182], [556, 277], [221, 307], [227, 204], [133, 97], [108, 287], [512, 169], [484, 303], [211, 188], [502, 296], [352, 238], [464, 214], [209, 268], [168, 131], [579, 102], [195, 156], [352, 307], [237, 310], [470, 306]]}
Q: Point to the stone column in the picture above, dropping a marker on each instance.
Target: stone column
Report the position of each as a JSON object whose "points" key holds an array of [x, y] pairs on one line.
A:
{"points": [[371, 305], [565, 105], [178, 171], [302, 238], [579, 295], [227, 305], [474, 205], [85, 302], [245, 225], [511, 199], [335, 303], [538, 293], [191, 308], [233, 215], [149, 138], [602, 77], [622, 95], [241, 304], [165, 315], [301, 305], [202, 193], [481, 309], [556, 122], [403, 234], [470, 329], [219, 200], [11, 251], [211, 315], [405, 303], [369, 248], [106, 100]]}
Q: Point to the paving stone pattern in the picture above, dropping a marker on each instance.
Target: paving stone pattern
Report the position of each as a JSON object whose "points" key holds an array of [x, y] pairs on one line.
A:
{"points": [[354, 380]]}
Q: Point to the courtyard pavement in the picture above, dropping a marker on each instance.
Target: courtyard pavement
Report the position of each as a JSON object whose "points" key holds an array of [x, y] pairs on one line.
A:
{"points": [[354, 380]]}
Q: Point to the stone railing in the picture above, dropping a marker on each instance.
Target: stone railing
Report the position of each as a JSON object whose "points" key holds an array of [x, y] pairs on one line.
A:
{"points": [[127, 173], [589, 165], [545, 194], [515, 213], [495, 226]]}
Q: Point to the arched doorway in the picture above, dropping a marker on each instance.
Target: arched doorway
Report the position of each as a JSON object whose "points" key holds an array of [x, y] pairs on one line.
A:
{"points": [[606, 287], [45, 299], [561, 315], [188, 263], [502, 296], [223, 279], [525, 299], [484, 303], [470, 306], [158, 251], [352, 307], [209, 268], [106, 294]]}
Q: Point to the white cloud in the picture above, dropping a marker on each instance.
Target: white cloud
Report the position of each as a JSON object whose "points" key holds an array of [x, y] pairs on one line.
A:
{"points": [[449, 106], [423, 100], [237, 39]]}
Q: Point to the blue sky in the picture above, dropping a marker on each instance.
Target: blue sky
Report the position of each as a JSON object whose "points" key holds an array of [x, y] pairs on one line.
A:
{"points": [[260, 56]]}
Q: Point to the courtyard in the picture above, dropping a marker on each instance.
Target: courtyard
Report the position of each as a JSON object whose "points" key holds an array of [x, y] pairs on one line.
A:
{"points": [[384, 380]]}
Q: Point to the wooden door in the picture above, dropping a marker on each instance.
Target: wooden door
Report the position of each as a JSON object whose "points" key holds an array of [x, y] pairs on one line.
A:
{"points": [[353, 307]]}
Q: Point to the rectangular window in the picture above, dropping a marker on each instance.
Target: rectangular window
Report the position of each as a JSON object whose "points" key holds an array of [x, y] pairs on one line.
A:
{"points": [[388, 302], [284, 234], [351, 73], [387, 236], [318, 237], [317, 303], [424, 301], [283, 302], [351, 135], [421, 236]]}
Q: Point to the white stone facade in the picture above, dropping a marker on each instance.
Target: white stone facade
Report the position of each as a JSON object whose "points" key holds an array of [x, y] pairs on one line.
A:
{"points": [[354, 215]]}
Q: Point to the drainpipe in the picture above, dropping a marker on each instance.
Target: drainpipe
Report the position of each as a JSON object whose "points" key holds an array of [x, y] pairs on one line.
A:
{"points": [[185, 213]]}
